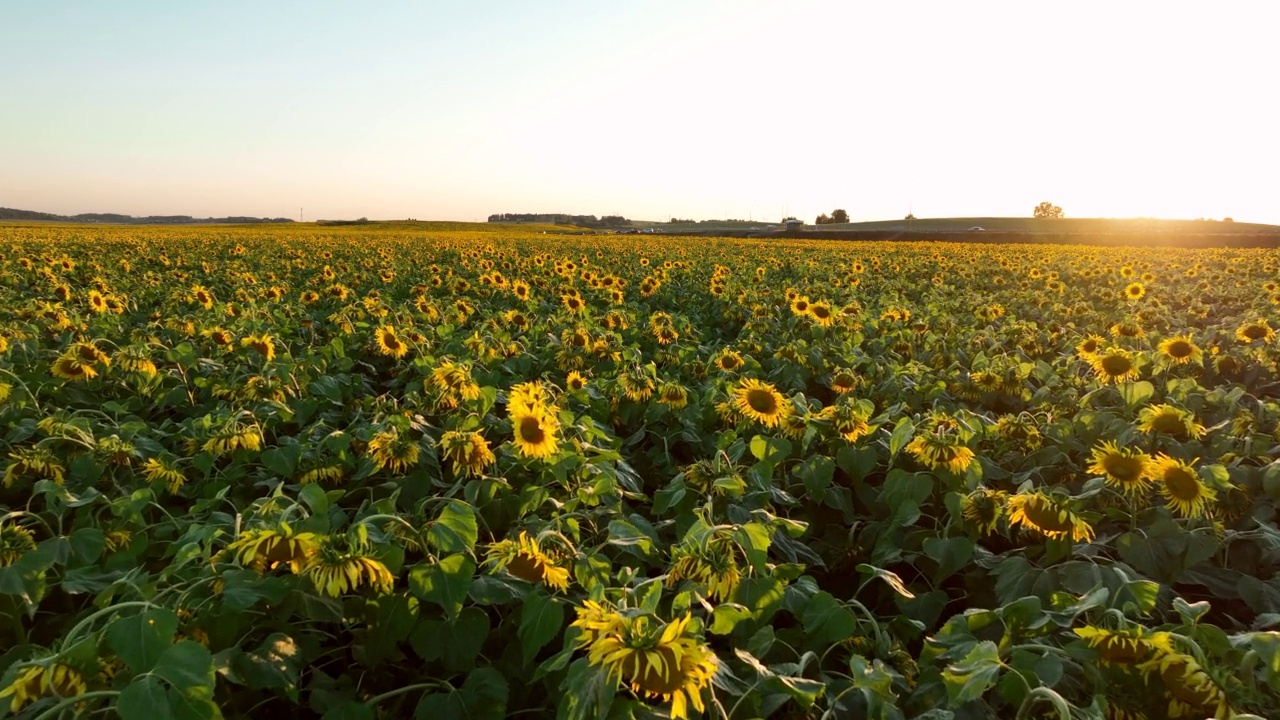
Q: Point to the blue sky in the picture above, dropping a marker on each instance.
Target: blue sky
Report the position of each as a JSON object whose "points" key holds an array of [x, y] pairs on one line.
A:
{"points": [[647, 109]]}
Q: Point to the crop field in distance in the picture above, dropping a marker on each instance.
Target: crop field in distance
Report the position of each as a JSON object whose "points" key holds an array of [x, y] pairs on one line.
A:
{"points": [[393, 472]]}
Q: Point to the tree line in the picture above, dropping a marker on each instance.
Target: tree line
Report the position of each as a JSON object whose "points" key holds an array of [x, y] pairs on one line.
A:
{"points": [[561, 219]]}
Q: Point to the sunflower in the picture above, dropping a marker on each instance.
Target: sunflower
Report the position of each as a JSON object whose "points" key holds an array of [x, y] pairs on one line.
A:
{"points": [[1134, 291], [673, 395], [1049, 516], [388, 343], [38, 462], [165, 471], [15, 541], [636, 385], [1127, 330], [263, 549], [41, 681], [201, 296], [984, 508], [527, 395], [234, 436], [1128, 470], [1183, 490], [1256, 330], [325, 473], [850, 419], [1180, 350], [575, 381], [535, 430], [392, 451], [941, 451], [468, 452], [525, 558], [336, 570], [1193, 693], [1169, 420], [800, 306], [710, 562], [1114, 365], [261, 344], [821, 313], [97, 302], [759, 401], [843, 380], [1020, 429], [728, 360], [1126, 647], [73, 368]]}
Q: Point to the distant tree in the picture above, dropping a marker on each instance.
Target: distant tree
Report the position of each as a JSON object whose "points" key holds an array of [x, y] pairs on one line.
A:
{"points": [[839, 216], [1047, 209], [789, 218], [822, 219], [1227, 219], [909, 216]]}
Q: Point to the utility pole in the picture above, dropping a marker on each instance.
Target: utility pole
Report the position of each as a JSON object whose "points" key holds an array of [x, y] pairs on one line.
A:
{"points": [[300, 215]]}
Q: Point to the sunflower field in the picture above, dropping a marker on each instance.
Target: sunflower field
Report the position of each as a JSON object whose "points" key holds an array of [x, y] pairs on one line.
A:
{"points": [[359, 473]]}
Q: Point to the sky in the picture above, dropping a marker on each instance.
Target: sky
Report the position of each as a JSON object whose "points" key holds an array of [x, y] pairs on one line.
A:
{"points": [[648, 109]]}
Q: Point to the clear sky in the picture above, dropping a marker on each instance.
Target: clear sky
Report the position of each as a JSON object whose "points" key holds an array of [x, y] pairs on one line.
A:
{"points": [[455, 110]]}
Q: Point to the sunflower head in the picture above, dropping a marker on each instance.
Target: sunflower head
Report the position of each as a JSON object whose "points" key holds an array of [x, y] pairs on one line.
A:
{"points": [[1257, 330], [1115, 365], [339, 566], [1128, 470], [262, 344], [1050, 516], [268, 548], [759, 401], [728, 360], [468, 452], [392, 450], [527, 558], [1169, 420], [709, 560], [1126, 647], [984, 507], [941, 450], [1192, 692], [574, 381], [41, 681], [1183, 490], [1180, 350], [388, 343], [15, 541], [535, 429]]}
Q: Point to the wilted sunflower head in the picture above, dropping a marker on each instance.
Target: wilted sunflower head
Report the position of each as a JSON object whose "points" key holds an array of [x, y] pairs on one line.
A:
{"points": [[468, 452], [339, 566], [636, 384], [1050, 516], [528, 559], [15, 541], [392, 450], [984, 507], [673, 395], [267, 548], [843, 380], [1169, 420], [1128, 646], [728, 360], [42, 680], [941, 450], [1192, 692]]}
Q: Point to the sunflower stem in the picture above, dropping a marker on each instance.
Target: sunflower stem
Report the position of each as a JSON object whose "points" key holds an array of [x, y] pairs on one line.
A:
{"points": [[373, 701], [56, 709]]}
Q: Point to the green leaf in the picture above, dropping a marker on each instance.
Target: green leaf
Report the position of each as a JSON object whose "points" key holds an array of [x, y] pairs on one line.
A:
{"points": [[186, 665], [350, 710], [770, 450], [970, 678], [951, 554], [87, 544], [139, 640], [762, 595], [816, 473], [278, 462], [726, 617], [540, 621], [826, 620], [144, 699], [625, 534], [444, 583], [455, 531], [902, 433], [755, 539]]}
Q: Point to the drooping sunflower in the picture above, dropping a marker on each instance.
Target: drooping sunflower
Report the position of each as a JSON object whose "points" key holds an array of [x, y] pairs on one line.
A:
{"points": [[851, 419], [673, 395], [1180, 350], [165, 471], [941, 451], [15, 541], [336, 569], [468, 452], [1115, 365], [526, 558], [535, 431], [1192, 692], [636, 384], [389, 343], [1256, 330], [392, 450], [728, 360], [73, 368], [232, 437], [266, 549], [1021, 429], [1128, 470], [759, 401], [1050, 516], [262, 344], [1126, 647], [41, 681], [984, 507], [843, 380], [657, 661], [1183, 490], [1169, 420], [38, 462], [321, 473], [711, 562]]}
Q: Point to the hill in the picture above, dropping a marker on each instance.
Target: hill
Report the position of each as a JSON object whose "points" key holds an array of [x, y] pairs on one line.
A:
{"points": [[1061, 226], [118, 219]]}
